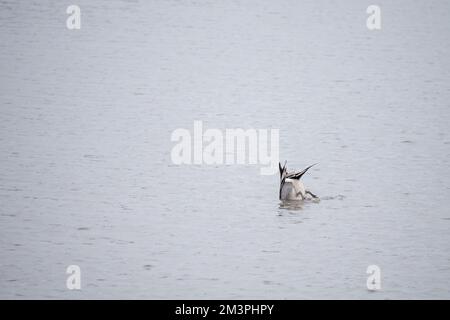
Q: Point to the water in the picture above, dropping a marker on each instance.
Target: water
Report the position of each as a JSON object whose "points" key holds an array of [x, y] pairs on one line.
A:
{"points": [[86, 176]]}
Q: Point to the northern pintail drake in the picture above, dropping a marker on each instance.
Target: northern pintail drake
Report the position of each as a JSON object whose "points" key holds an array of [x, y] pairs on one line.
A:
{"points": [[291, 188]]}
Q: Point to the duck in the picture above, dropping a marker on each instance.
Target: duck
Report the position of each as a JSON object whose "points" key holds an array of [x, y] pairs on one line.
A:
{"points": [[291, 188]]}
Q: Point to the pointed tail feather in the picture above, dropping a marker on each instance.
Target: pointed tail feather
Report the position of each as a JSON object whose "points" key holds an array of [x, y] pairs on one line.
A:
{"points": [[298, 175]]}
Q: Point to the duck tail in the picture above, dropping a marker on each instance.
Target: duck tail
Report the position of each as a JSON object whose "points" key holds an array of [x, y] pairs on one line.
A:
{"points": [[298, 175]]}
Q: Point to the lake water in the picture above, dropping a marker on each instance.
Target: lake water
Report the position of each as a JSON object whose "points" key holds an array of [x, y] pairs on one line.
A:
{"points": [[86, 176]]}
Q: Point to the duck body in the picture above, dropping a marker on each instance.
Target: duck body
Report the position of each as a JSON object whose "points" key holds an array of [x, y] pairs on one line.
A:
{"points": [[291, 187]]}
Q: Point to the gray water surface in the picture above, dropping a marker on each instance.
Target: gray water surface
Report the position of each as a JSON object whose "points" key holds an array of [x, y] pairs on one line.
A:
{"points": [[86, 176]]}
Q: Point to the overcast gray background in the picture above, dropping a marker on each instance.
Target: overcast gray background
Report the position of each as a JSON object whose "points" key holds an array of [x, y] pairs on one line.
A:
{"points": [[85, 170]]}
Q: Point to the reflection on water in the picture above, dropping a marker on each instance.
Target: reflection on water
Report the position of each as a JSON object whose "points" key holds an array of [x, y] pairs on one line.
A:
{"points": [[291, 205], [297, 204]]}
